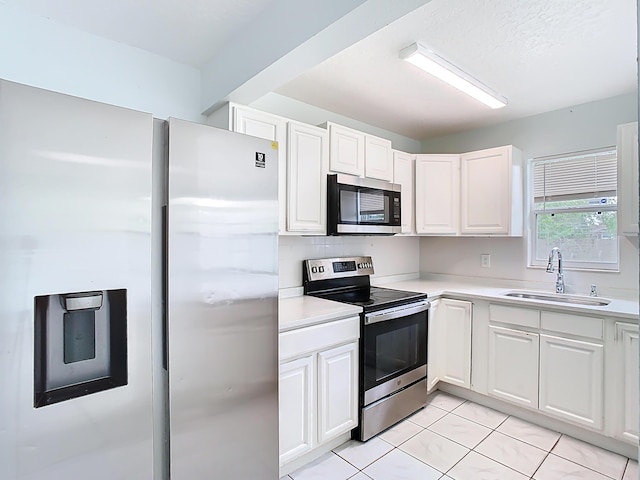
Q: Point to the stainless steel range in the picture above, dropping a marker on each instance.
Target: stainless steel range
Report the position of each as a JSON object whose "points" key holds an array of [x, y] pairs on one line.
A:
{"points": [[393, 339]]}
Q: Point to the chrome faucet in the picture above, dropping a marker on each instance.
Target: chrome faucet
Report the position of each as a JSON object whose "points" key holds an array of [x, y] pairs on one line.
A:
{"points": [[560, 278]]}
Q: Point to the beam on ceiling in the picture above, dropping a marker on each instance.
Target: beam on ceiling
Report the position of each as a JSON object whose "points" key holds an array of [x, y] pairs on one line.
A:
{"points": [[289, 38]]}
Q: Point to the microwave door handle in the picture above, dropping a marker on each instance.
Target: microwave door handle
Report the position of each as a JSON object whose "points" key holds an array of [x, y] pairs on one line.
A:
{"points": [[395, 313]]}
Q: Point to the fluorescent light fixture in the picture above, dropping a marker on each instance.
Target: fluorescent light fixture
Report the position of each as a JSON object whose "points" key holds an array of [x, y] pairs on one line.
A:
{"points": [[435, 65]]}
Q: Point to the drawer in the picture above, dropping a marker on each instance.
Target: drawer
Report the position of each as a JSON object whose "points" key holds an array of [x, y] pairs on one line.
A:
{"points": [[523, 317], [578, 325], [318, 337]]}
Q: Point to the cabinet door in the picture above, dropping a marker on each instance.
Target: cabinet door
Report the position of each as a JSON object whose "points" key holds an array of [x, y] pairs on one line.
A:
{"points": [[571, 380], [435, 345], [346, 150], [456, 345], [337, 391], [307, 166], [486, 191], [263, 125], [296, 394], [628, 179], [627, 389], [378, 158], [513, 366], [403, 174], [438, 194]]}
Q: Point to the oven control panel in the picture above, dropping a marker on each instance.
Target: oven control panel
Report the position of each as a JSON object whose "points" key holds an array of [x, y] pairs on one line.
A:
{"points": [[327, 268]]}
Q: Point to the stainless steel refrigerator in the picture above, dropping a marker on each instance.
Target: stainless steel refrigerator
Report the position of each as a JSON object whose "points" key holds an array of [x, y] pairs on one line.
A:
{"points": [[222, 281], [138, 295], [75, 289]]}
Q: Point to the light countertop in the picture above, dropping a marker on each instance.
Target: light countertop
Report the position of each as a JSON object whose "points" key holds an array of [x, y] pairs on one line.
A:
{"points": [[617, 308], [301, 311]]}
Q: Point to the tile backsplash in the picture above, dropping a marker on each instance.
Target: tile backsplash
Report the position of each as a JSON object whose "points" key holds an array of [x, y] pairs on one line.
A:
{"points": [[395, 255]]}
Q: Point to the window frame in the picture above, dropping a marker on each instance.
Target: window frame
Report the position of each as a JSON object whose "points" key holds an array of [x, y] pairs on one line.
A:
{"points": [[532, 215]]}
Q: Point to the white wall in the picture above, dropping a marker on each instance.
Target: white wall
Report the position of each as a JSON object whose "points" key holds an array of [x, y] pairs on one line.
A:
{"points": [[391, 255], [303, 112], [47, 54], [582, 127]]}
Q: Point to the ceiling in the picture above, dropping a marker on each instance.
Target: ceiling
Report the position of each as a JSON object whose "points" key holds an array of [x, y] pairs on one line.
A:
{"points": [[187, 31], [541, 54]]}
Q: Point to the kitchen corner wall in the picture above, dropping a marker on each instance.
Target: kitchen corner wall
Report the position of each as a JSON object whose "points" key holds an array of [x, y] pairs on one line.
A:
{"points": [[396, 255], [582, 127], [461, 256]]}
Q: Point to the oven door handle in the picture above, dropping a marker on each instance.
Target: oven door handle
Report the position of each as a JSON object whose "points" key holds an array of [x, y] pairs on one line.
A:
{"points": [[396, 312]]}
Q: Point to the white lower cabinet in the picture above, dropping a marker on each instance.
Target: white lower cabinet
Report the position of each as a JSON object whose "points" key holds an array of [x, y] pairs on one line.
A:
{"points": [[337, 391], [434, 346], [571, 380], [296, 389], [318, 385], [513, 366], [626, 391], [454, 317]]}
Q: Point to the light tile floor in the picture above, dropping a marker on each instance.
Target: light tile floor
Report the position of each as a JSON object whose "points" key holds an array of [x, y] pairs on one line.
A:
{"points": [[453, 439]]}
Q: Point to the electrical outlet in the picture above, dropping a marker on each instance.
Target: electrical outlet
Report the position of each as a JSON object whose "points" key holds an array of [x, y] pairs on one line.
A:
{"points": [[485, 260]]}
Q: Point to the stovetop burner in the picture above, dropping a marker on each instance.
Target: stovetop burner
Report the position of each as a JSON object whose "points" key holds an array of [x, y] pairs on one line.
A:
{"points": [[371, 297]]}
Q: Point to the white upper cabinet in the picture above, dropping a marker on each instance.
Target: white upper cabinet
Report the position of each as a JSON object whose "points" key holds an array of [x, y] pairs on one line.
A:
{"points": [[271, 127], [346, 150], [356, 153], [438, 194], [303, 164], [378, 158], [403, 175], [476, 193], [628, 179], [259, 124], [491, 192], [307, 168]]}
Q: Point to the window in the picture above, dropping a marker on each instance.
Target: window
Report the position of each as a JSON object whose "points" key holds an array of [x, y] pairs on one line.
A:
{"points": [[574, 207]]}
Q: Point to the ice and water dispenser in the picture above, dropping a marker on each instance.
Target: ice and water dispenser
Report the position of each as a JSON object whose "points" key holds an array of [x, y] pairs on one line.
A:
{"points": [[80, 344]]}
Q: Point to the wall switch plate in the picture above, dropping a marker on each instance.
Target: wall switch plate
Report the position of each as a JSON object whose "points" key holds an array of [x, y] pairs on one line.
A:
{"points": [[485, 260]]}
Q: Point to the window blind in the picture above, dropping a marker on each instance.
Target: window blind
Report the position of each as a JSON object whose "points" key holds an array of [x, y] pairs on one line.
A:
{"points": [[587, 175]]}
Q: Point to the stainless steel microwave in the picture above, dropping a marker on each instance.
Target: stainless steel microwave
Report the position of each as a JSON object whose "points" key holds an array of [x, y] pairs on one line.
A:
{"points": [[362, 206]]}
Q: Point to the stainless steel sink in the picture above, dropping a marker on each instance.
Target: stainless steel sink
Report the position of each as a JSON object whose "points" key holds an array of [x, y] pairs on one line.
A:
{"points": [[560, 298]]}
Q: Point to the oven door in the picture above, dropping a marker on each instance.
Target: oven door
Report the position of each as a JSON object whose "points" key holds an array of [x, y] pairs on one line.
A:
{"points": [[362, 206], [394, 349]]}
